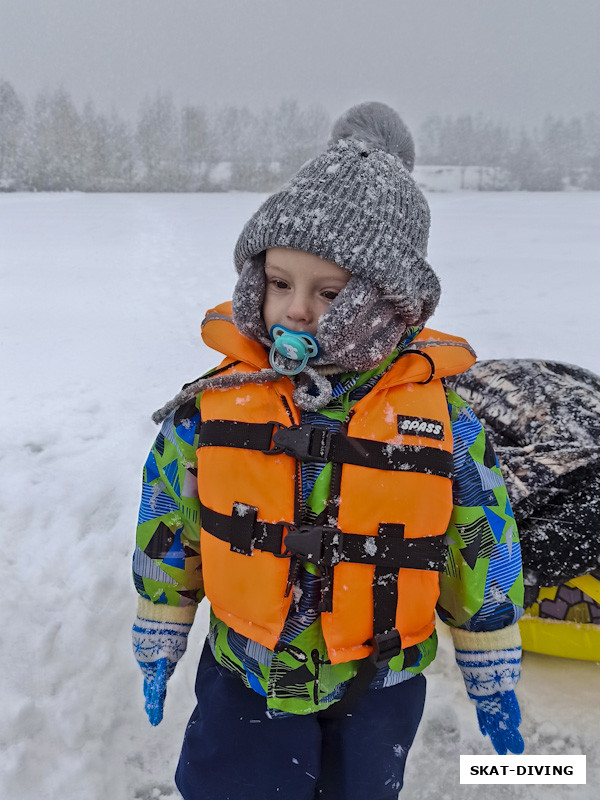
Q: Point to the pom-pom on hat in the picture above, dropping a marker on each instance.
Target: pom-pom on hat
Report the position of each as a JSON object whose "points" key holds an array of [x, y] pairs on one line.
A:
{"points": [[380, 126]]}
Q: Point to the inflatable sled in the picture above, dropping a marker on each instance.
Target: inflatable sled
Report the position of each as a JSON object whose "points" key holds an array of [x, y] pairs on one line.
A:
{"points": [[543, 418]]}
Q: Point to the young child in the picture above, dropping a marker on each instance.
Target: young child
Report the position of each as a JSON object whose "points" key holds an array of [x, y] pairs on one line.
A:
{"points": [[327, 494]]}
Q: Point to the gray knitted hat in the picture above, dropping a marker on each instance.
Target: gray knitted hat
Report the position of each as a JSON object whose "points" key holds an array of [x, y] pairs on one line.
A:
{"points": [[358, 206]]}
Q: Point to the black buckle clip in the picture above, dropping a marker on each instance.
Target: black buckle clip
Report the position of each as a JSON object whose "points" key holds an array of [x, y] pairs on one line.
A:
{"points": [[306, 442], [274, 450], [315, 543], [385, 647]]}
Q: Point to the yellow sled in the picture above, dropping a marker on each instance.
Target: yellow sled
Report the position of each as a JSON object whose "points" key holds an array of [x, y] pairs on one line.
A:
{"points": [[572, 635]]}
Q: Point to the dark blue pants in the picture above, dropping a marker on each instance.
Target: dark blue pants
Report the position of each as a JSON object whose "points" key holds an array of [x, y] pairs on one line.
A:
{"points": [[233, 751]]}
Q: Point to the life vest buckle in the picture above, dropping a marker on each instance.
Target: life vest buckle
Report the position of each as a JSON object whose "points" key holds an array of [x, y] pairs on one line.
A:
{"points": [[308, 443], [385, 647], [318, 544]]}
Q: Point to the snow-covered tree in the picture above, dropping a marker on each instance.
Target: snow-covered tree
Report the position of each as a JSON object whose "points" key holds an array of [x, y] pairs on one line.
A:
{"points": [[12, 128], [55, 161], [159, 145], [197, 149]]}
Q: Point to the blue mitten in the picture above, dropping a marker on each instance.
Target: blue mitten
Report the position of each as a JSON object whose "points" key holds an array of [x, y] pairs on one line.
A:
{"points": [[490, 677], [499, 717], [158, 646]]}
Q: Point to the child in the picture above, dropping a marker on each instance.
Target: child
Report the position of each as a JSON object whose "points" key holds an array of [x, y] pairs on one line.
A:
{"points": [[327, 494]]}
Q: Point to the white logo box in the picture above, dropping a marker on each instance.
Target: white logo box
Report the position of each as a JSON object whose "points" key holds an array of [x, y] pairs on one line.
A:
{"points": [[523, 769]]}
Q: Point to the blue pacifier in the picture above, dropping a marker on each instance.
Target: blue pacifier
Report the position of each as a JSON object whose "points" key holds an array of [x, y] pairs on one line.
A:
{"points": [[295, 345]]}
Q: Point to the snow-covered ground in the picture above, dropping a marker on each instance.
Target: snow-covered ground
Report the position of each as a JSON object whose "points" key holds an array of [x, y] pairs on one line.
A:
{"points": [[102, 298]]}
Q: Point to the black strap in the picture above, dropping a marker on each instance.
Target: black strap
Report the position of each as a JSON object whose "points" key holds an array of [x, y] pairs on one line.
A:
{"points": [[327, 547], [380, 455], [385, 600], [385, 647], [321, 545], [243, 530], [230, 433], [313, 443]]}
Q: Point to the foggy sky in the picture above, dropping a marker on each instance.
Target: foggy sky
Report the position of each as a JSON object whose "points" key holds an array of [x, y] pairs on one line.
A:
{"points": [[515, 60]]}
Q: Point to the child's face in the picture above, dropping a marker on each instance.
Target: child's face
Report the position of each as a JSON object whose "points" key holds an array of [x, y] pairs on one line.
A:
{"points": [[299, 288]]}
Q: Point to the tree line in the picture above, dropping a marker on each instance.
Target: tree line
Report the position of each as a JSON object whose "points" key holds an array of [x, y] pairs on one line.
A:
{"points": [[558, 154], [52, 145]]}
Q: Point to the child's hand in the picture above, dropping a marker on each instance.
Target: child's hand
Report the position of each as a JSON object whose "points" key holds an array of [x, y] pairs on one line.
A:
{"points": [[499, 717], [158, 646], [490, 675], [155, 688]]}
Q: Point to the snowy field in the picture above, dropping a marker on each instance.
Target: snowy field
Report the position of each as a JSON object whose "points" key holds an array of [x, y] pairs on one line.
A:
{"points": [[102, 299]]}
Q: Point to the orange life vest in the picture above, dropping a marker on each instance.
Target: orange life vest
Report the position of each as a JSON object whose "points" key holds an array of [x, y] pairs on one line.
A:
{"points": [[248, 490]]}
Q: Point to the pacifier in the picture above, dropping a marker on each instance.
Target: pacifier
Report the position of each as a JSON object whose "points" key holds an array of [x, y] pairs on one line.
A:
{"points": [[295, 345]]}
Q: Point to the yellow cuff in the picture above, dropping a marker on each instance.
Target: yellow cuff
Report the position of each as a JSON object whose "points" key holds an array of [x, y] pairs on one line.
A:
{"points": [[503, 639], [160, 612]]}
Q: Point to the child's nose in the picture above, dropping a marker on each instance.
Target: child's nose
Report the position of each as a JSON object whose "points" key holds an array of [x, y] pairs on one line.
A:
{"points": [[300, 309]]}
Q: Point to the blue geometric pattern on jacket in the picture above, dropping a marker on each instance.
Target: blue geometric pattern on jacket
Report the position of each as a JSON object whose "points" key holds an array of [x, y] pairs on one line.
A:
{"points": [[473, 483]]}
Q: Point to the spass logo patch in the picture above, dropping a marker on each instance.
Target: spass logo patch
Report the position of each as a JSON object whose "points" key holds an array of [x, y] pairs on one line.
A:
{"points": [[420, 426]]}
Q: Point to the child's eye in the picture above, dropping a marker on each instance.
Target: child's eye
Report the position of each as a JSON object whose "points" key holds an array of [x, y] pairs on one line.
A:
{"points": [[330, 294], [278, 283]]}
